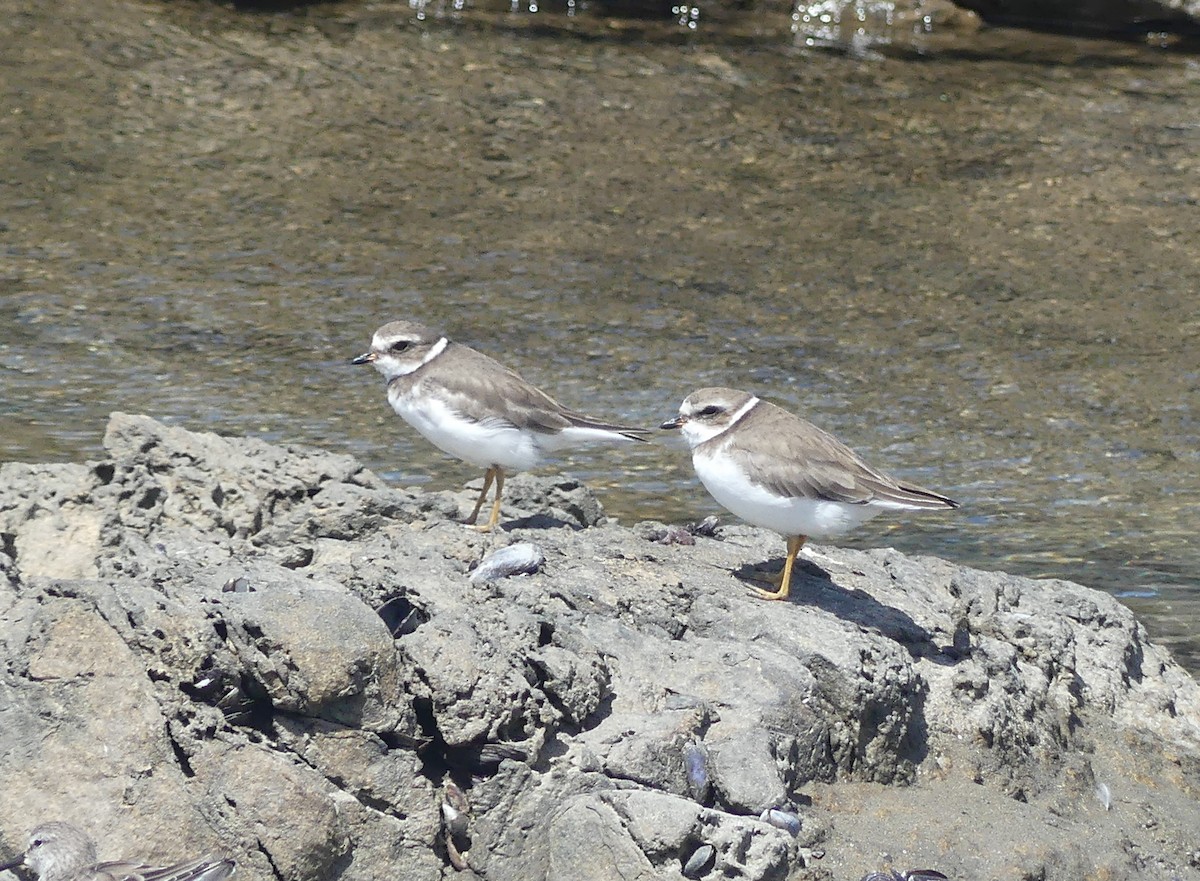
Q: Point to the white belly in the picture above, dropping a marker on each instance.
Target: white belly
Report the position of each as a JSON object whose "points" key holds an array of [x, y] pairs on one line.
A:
{"points": [[477, 443], [729, 485]]}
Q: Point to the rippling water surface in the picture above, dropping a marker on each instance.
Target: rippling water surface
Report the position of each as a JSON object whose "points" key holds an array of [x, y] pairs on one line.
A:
{"points": [[975, 262]]}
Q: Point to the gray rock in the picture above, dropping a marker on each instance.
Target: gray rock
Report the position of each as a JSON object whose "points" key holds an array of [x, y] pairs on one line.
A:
{"points": [[626, 711], [50, 520], [315, 652], [552, 501]]}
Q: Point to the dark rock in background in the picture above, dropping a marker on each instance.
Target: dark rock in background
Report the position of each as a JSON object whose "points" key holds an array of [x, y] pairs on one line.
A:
{"points": [[1116, 17]]}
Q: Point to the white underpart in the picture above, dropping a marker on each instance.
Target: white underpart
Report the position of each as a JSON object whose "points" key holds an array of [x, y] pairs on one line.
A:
{"points": [[487, 443], [893, 505], [575, 436], [728, 484]]}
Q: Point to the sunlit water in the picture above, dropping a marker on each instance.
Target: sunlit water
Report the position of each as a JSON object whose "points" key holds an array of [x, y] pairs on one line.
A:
{"points": [[975, 266]]}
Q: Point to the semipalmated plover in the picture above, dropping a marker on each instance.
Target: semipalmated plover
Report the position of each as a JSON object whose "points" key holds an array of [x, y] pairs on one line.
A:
{"points": [[775, 470], [476, 409], [63, 852]]}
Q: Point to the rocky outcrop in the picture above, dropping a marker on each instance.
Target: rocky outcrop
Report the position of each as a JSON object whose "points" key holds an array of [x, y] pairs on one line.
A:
{"points": [[216, 642], [1126, 17], [888, 20]]}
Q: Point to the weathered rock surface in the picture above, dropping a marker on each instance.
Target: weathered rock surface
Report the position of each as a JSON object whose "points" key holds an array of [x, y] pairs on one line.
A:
{"points": [[214, 642]]}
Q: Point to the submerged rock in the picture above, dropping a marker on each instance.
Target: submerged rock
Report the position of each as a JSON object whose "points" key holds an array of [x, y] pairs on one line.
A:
{"points": [[269, 650]]}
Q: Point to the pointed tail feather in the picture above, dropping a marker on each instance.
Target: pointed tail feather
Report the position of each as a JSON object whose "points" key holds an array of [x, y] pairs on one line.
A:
{"points": [[917, 497], [578, 420]]}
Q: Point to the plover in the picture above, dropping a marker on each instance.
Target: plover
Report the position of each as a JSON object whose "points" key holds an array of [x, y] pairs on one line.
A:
{"points": [[475, 408], [61, 851], [775, 470]]}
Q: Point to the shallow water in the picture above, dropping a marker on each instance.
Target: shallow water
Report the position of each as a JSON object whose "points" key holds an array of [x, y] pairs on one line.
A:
{"points": [[974, 262]]}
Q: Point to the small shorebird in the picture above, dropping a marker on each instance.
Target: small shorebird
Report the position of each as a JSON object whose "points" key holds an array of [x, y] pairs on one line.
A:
{"points": [[63, 852], [775, 470], [475, 408]]}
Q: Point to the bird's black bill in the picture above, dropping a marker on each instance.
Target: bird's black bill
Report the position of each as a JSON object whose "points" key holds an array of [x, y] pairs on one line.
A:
{"points": [[672, 423], [364, 358], [19, 861]]}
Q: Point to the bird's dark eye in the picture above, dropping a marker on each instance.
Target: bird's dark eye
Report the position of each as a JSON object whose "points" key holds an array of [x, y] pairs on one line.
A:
{"points": [[399, 345], [710, 410], [37, 842]]}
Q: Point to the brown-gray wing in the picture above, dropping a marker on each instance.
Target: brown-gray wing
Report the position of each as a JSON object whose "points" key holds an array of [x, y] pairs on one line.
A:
{"points": [[483, 390], [205, 868], [794, 458]]}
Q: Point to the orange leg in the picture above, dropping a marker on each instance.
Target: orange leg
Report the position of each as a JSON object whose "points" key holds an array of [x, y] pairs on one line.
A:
{"points": [[487, 484], [495, 518], [784, 582]]}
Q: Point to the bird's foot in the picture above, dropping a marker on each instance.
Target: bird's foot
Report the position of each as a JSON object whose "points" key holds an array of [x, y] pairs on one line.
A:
{"points": [[780, 594]]}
